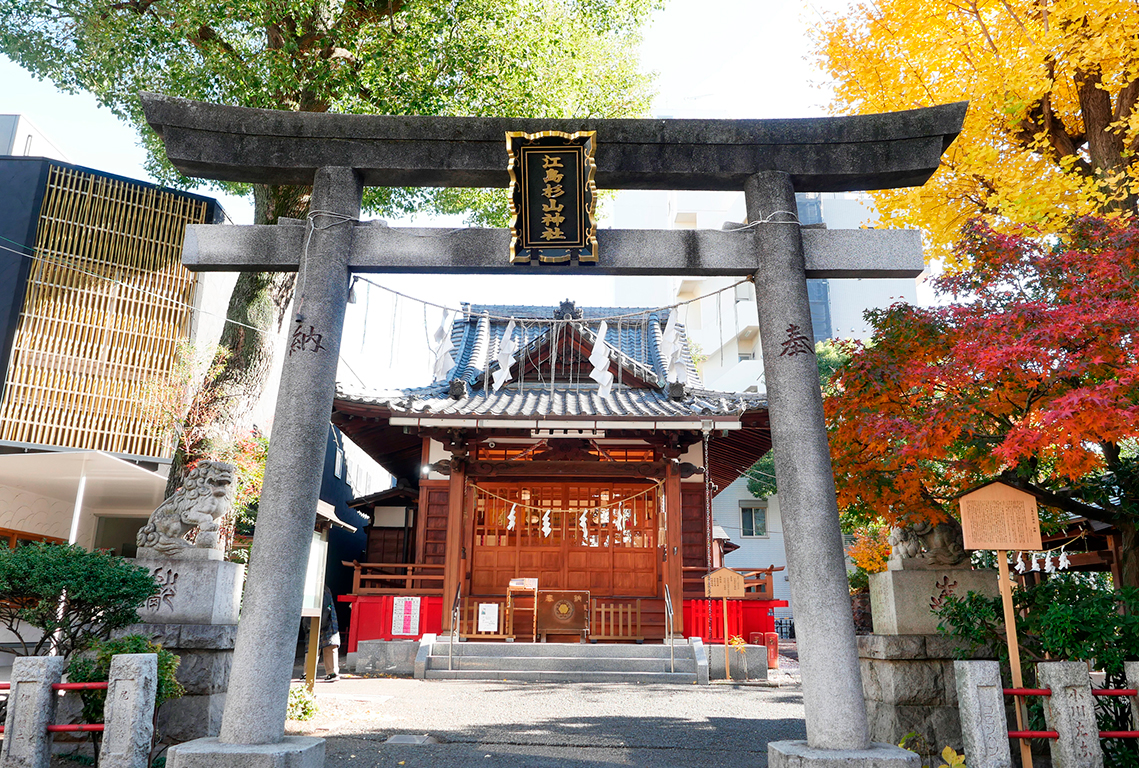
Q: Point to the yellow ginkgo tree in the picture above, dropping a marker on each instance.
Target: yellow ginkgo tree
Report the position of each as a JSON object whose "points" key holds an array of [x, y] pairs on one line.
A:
{"points": [[1052, 130]]}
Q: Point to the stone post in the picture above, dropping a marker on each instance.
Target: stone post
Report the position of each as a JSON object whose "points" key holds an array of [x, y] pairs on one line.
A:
{"points": [[835, 711], [1070, 711], [984, 727], [266, 636], [128, 715], [31, 709], [1131, 672]]}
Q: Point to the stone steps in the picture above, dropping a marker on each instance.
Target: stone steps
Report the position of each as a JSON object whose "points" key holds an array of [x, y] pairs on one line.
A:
{"points": [[559, 663], [580, 650], [562, 662], [543, 676]]}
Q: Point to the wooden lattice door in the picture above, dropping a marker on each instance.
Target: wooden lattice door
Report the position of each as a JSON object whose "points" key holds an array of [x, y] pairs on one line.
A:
{"points": [[596, 536]]}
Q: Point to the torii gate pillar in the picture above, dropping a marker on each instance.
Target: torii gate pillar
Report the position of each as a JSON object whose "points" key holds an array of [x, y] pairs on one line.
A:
{"points": [[835, 710]]}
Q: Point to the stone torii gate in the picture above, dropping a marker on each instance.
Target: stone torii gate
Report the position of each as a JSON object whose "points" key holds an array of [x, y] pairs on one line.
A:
{"points": [[340, 154]]}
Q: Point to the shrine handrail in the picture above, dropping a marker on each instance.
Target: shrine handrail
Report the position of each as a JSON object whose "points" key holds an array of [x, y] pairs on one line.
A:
{"points": [[417, 578], [669, 634], [454, 624]]}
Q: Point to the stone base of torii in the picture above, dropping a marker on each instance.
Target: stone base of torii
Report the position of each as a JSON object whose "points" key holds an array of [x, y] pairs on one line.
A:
{"points": [[340, 154]]}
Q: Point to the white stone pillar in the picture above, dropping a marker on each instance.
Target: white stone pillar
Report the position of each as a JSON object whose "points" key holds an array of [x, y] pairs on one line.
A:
{"points": [[128, 715], [271, 609], [981, 702], [31, 709], [1070, 711]]}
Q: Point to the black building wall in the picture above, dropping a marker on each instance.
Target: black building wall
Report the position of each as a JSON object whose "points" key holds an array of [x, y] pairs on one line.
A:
{"points": [[22, 184], [343, 545]]}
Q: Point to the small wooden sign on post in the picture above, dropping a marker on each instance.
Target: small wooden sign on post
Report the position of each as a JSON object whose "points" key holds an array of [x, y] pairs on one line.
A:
{"points": [[724, 583], [998, 516]]}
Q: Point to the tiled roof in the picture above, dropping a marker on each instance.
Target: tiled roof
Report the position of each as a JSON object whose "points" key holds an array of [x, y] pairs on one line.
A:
{"points": [[536, 402], [636, 340]]}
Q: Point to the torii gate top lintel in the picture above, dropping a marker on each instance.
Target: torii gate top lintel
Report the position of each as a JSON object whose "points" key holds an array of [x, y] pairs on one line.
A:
{"points": [[830, 154]]}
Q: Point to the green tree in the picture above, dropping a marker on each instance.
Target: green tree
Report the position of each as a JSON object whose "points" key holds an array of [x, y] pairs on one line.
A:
{"points": [[98, 592], [532, 58]]}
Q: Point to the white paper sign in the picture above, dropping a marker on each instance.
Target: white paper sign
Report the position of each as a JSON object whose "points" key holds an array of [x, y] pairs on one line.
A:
{"points": [[405, 616], [488, 617]]}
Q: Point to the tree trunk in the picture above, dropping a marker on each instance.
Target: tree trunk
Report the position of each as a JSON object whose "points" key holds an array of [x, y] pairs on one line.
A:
{"points": [[219, 410], [1128, 553]]}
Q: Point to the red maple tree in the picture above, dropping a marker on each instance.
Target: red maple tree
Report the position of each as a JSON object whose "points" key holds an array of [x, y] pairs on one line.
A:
{"points": [[1028, 373]]}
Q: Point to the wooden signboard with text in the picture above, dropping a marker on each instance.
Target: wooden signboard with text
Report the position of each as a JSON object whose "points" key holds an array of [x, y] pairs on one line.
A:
{"points": [[998, 516], [724, 582]]}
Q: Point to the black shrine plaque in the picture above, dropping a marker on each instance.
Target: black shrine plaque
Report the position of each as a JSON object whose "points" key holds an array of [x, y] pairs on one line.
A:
{"points": [[562, 611], [552, 196]]}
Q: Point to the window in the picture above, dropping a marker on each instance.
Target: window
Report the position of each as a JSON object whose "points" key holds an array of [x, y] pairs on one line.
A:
{"points": [[746, 356], [753, 521]]}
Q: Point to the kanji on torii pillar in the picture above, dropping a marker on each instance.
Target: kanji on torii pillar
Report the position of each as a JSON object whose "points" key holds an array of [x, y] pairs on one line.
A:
{"points": [[769, 160]]}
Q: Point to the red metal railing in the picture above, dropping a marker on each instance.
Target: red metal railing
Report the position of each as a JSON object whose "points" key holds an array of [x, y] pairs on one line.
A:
{"points": [[79, 727], [1054, 734]]}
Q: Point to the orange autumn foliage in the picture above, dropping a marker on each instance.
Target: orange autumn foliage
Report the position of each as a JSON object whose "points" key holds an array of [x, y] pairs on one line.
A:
{"points": [[870, 550], [1028, 371]]}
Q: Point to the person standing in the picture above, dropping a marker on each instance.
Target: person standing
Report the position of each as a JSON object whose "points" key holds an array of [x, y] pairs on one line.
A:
{"points": [[330, 637]]}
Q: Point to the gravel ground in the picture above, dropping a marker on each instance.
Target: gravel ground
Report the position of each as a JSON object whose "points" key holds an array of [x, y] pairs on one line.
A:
{"points": [[543, 725]]}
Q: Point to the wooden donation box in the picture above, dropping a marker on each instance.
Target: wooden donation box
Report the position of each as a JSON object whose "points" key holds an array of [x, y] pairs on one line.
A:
{"points": [[562, 612]]}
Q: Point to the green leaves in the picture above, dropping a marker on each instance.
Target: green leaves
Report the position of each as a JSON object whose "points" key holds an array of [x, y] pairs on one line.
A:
{"points": [[1069, 616], [532, 58], [97, 591], [95, 667]]}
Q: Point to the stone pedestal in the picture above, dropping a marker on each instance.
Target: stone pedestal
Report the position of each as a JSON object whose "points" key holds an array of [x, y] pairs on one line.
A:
{"points": [[193, 615], [796, 754], [290, 752], [901, 601], [206, 654], [751, 664], [193, 591], [910, 686]]}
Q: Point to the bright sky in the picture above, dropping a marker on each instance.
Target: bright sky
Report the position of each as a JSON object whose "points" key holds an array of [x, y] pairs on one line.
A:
{"points": [[714, 58]]}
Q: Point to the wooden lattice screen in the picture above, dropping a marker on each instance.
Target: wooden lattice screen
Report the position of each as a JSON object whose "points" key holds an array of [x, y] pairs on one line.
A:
{"points": [[106, 307]]}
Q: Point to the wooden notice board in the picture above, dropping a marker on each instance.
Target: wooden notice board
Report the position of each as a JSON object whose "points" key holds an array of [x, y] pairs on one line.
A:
{"points": [[724, 582], [998, 516]]}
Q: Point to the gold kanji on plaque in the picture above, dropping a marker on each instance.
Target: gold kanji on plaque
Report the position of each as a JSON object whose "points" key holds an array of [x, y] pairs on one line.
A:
{"points": [[552, 196]]}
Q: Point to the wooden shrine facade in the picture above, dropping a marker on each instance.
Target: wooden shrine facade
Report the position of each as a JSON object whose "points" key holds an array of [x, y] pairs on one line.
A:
{"points": [[547, 480]]}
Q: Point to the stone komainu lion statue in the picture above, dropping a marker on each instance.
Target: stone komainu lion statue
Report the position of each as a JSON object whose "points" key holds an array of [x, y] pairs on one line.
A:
{"points": [[942, 543], [203, 499]]}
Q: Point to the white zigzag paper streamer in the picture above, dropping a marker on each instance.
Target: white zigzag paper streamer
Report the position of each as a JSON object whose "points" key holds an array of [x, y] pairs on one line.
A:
{"points": [[546, 529], [584, 527], [599, 357], [510, 517], [505, 357], [444, 362], [672, 350]]}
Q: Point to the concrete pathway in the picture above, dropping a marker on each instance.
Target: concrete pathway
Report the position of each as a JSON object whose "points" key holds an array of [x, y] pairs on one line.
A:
{"points": [[491, 724]]}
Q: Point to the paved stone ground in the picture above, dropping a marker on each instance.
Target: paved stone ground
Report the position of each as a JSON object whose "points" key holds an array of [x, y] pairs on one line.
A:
{"points": [[491, 724]]}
